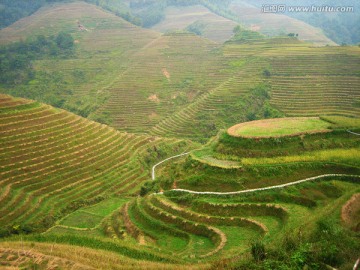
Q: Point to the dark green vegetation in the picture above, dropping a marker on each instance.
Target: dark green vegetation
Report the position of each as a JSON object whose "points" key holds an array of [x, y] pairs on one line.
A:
{"points": [[78, 194], [16, 58]]}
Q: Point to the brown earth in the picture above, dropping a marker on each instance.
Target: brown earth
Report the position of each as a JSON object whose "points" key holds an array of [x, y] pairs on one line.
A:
{"points": [[350, 212]]}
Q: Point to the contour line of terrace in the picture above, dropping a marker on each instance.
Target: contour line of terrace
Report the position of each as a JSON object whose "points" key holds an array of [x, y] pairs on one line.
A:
{"points": [[323, 176]]}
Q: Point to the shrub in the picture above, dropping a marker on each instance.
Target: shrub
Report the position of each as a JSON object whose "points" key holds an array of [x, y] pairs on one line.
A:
{"points": [[258, 250]]}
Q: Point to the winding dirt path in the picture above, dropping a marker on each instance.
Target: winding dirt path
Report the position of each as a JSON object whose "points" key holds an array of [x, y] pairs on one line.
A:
{"points": [[319, 177]]}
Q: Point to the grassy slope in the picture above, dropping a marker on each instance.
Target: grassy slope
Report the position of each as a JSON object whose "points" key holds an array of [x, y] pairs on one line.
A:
{"points": [[53, 162]]}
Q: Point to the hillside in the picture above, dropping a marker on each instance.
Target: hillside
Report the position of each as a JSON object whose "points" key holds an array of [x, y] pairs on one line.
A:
{"points": [[197, 19], [204, 22], [104, 44], [137, 80], [126, 148], [272, 77], [53, 162]]}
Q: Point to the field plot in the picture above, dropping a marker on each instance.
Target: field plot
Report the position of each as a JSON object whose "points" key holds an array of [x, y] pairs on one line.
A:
{"points": [[327, 84], [164, 77], [279, 127], [230, 223], [306, 80], [52, 162]]}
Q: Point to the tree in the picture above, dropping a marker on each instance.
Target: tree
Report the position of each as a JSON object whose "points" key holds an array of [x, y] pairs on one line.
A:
{"points": [[64, 41]]}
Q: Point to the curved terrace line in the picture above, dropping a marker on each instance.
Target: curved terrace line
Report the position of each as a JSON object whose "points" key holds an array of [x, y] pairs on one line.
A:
{"points": [[264, 188], [153, 168]]}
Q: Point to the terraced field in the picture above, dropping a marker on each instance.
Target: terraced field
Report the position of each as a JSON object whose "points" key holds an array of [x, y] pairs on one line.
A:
{"points": [[326, 84], [307, 81], [214, 106], [200, 226], [87, 186], [14, 255], [139, 81], [52, 160], [279, 127], [158, 83]]}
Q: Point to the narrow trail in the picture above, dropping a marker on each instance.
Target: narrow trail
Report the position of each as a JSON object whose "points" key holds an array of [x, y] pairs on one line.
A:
{"points": [[323, 177], [354, 133], [153, 168]]}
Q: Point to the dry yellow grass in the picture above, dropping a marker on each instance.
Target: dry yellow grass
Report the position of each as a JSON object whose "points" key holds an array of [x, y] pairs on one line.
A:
{"points": [[84, 258]]}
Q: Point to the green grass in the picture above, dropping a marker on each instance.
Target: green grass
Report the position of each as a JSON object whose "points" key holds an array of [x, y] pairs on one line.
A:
{"points": [[81, 219], [238, 239], [342, 121], [279, 127], [340, 156], [60, 231], [106, 207]]}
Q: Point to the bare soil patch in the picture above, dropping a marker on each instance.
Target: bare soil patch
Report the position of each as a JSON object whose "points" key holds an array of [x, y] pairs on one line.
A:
{"points": [[166, 73], [154, 98], [350, 212]]}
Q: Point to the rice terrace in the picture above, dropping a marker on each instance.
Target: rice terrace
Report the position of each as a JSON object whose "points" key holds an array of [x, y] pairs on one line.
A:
{"points": [[173, 134], [279, 127]]}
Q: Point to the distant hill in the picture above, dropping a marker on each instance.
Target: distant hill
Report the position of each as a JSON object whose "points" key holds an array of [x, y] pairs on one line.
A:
{"points": [[206, 23], [274, 24], [341, 27], [197, 19]]}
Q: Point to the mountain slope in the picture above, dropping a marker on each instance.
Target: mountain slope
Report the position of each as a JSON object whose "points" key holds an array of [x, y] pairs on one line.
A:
{"points": [[140, 81], [104, 44], [51, 161]]}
